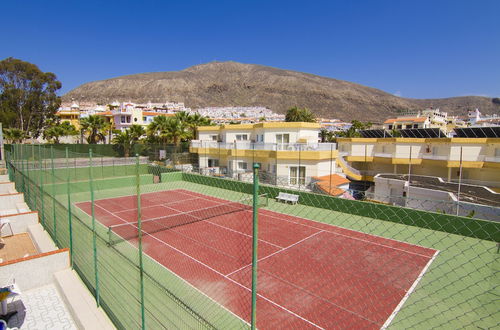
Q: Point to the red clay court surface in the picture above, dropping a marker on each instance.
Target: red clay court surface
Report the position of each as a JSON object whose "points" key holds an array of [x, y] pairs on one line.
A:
{"points": [[310, 274]]}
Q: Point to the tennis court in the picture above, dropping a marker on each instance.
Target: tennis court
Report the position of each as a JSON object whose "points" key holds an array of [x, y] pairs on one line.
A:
{"points": [[310, 274]]}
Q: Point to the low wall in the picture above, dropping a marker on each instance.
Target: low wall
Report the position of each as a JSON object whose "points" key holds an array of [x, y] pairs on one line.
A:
{"points": [[172, 176], [21, 221], [9, 201], [34, 271], [7, 187]]}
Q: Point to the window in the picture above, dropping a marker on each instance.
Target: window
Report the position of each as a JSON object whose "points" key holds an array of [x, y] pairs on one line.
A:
{"points": [[128, 119], [390, 126], [135, 119], [282, 138], [214, 137], [242, 166], [400, 126], [144, 119], [408, 126], [415, 125], [213, 163], [122, 119], [241, 137], [297, 175], [497, 152]]}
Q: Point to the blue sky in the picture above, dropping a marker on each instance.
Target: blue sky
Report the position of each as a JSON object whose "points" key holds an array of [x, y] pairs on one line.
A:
{"points": [[420, 49]]}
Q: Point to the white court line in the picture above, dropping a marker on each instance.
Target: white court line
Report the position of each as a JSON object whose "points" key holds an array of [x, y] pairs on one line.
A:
{"points": [[229, 279], [352, 237], [191, 193], [272, 254], [233, 281], [319, 297], [184, 280], [155, 205], [221, 226], [347, 236], [409, 292]]}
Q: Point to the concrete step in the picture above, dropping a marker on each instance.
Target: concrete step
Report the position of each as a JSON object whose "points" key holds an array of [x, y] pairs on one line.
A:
{"points": [[80, 302]]}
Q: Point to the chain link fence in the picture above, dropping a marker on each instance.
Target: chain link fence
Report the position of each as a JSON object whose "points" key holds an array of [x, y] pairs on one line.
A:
{"points": [[161, 243]]}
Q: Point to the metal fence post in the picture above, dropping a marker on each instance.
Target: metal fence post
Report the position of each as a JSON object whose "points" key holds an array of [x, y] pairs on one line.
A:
{"points": [[41, 185], [254, 242], [70, 220], [139, 229], [53, 194], [94, 238]]}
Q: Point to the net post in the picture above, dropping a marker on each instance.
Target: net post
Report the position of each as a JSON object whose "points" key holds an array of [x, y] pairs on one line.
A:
{"points": [[94, 238], [139, 229], [70, 220], [41, 185], [254, 242]]}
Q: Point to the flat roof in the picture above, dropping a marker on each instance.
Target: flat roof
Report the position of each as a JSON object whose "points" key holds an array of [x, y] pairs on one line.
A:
{"points": [[468, 193]]}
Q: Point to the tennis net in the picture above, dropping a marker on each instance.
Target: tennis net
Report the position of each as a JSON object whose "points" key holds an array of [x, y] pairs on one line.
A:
{"points": [[129, 231]]}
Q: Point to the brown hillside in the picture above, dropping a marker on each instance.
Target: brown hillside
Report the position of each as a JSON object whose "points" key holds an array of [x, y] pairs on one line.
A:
{"points": [[237, 84]]}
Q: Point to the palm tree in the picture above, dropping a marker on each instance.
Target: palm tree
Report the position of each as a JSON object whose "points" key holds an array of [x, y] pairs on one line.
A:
{"points": [[95, 127], [194, 121], [296, 114], [136, 132], [167, 129], [13, 135], [157, 129], [124, 141], [175, 130]]}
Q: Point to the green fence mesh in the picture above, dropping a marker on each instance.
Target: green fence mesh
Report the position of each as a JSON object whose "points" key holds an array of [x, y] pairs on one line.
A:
{"points": [[323, 262]]}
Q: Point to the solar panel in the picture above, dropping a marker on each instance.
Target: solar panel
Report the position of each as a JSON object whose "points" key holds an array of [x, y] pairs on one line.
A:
{"points": [[422, 133], [478, 132], [375, 133]]}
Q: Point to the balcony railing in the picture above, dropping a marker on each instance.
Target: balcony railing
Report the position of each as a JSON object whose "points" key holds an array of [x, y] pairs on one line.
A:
{"points": [[383, 154], [247, 145], [435, 157], [492, 159]]}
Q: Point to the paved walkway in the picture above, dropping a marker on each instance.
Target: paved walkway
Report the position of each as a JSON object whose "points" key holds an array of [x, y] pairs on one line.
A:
{"points": [[40, 308]]}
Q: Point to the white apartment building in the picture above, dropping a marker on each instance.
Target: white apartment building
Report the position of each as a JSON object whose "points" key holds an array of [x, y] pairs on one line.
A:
{"points": [[288, 153]]}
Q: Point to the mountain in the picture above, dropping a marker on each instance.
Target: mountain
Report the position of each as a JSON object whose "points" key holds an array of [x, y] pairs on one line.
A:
{"points": [[237, 84]]}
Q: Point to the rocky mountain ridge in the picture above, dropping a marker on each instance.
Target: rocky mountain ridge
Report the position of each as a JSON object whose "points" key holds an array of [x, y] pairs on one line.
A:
{"points": [[237, 84]]}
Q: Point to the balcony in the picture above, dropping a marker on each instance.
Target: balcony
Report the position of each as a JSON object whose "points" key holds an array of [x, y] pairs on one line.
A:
{"points": [[247, 145], [435, 157], [383, 155], [492, 159]]}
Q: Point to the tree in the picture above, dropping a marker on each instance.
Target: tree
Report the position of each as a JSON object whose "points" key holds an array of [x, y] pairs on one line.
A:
{"points": [[297, 114], [175, 131], [167, 129], [136, 132], [27, 96], [194, 121], [57, 130], [95, 127], [156, 130], [353, 131], [124, 141], [13, 135]]}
